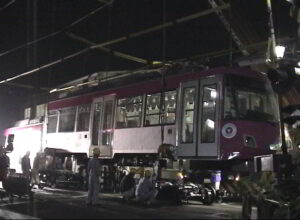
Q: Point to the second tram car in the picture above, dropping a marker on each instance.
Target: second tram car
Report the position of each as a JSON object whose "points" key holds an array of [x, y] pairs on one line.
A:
{"points": [[208, 117]]}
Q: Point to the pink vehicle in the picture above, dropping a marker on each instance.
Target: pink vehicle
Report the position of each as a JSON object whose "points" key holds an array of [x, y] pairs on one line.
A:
{"points": [[206, 119]]}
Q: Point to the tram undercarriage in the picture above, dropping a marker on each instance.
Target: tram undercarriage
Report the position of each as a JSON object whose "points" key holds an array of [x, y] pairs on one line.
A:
{"points": [[206, 181]]}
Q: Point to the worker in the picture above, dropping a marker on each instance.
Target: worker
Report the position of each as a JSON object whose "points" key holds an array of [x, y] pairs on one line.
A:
{"points": [[127, 185], [26, 166], [4, 163], [35, 169], [145, 190], [179, 180], [94, 174]]}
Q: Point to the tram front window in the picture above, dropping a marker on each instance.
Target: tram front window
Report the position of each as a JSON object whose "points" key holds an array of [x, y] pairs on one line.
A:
{"points": [[249, 99]]}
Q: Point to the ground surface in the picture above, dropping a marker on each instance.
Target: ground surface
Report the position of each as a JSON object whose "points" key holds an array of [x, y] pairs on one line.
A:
{"points": [[69, 204]]}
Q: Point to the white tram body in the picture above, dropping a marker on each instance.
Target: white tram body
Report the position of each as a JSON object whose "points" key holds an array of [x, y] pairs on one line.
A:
{"points": [[209, 115]]}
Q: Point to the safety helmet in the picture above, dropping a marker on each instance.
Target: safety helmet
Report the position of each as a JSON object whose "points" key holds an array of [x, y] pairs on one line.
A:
{"points": [[147, 173], [96, 151], [179, 175]]}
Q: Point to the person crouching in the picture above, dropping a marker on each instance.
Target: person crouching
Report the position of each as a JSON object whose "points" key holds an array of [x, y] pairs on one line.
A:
{"points": [[145, 191], [127, 185]]}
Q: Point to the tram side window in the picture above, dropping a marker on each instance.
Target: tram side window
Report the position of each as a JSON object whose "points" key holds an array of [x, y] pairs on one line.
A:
{"points": [[52, 121], [152, 109], [95, 126], [83, 117], [67, 119], [187, 130], [40, 110], [129, 112], [27, 113], [209, 96], [107, 123], [170, 107], [154, 115]]}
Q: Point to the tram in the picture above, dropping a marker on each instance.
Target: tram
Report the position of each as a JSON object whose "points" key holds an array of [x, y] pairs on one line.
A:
{"points": [[200, 119]]}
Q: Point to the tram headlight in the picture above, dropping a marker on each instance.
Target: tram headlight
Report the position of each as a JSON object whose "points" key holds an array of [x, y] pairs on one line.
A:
{"points": [[229, 130], [276, 145]]}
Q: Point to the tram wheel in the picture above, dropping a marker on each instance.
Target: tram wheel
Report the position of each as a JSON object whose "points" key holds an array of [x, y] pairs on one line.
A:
{"points": [[30, 196], [208, 197], [11, 198], [53, 185]]}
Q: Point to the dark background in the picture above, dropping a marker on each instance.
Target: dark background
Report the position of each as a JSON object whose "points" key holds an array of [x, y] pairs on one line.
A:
{"points": [[203, 39]]}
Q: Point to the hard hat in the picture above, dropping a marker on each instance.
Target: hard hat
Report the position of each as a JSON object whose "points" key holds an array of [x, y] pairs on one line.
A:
{"points": [[96, 151], [147, 173], [179, 175]]}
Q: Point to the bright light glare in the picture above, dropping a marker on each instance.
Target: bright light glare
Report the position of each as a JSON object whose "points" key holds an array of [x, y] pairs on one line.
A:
{"points": [[213, 94], [210, 123], [297, 70], [53, 90], [279, 51]]}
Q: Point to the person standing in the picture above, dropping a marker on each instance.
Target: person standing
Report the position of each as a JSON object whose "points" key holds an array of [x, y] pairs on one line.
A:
{"points": [[35, 169], [26, 167], [4, 163], [94, 174]]}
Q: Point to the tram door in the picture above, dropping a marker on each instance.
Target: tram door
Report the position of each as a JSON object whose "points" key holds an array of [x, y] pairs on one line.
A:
{"points": [[102, 125], [209, 117], [188, 119], [198, 118]]}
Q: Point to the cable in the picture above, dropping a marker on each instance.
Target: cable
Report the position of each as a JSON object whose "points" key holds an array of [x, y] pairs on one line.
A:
{"points": [[163, 81], [45, 66], [57, 32], [120, 39], [7, 5], [230, 36]]}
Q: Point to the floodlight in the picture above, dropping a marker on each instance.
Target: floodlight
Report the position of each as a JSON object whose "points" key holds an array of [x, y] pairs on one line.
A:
{"points": [[279, 51]]}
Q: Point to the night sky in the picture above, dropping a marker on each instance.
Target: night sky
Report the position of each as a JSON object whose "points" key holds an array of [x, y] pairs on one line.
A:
{"points": [[23, 21]]}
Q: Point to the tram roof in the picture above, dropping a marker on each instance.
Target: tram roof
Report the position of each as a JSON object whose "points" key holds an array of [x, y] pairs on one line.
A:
{"points": [[148, 83], [50, 43]]}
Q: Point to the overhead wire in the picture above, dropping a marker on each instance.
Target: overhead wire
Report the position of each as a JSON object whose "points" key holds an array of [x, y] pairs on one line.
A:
{"points": [[230, 37], [7, 5], [57, 32], [106, 78], [51, 50], [163, 81], [120, 39], [108, 50], [213, 54]]}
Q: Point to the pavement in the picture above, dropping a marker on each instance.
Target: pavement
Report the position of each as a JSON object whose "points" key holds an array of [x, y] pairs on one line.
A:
{"points": [[70, 204]]}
